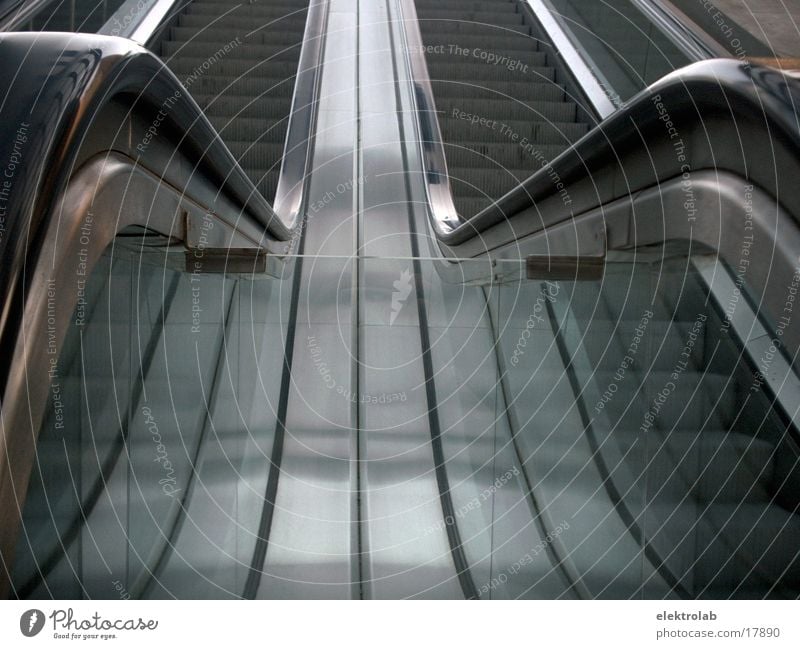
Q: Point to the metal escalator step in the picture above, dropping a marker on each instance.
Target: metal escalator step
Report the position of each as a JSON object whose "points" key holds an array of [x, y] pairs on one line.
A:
{"points": [[266, 106], [281, 4], [501, 155], [494, 41], [249, 85], [224, 35], [488, 73], [250, 10], [436, 27], [507, 113], [534, 133], [471, 56], [249, 51], [245, 129], [519, 90], [490, 17], [459, 7], [479, 182], [236, 20], [468, 206], [505, 109], [234, 67], [258, 155]]}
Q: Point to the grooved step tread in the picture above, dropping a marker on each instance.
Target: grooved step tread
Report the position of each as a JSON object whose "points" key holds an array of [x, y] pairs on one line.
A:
{"points": [[243, 86], [481, 72], [501, 111], [245, 51], [245, 22], [224, 35], [239, 61], [243, 9]]}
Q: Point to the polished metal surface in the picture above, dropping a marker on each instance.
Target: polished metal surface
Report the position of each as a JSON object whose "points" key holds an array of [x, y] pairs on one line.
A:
{"points": [[312, 549]]}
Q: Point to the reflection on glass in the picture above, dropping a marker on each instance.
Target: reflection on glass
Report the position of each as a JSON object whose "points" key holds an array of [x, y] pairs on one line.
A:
{"points": [[605, 439], [150, 468], [623, 47], [675, 468]]}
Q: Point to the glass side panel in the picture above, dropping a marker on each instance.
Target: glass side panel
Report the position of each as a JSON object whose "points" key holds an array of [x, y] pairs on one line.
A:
{"points": [[649, 429], [153, 458], [601, 439], [624, 48]]}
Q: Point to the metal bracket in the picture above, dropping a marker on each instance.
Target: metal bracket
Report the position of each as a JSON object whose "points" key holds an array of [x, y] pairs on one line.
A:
{"points": [[569, 268], [227, 260]]}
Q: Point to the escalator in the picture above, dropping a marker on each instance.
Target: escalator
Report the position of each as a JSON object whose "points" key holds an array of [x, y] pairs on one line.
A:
{"points": [[393, 301], [501, 108], [239, 63]]}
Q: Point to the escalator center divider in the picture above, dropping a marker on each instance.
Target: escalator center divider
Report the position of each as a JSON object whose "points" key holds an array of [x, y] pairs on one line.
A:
{"points": [[448, 511]]}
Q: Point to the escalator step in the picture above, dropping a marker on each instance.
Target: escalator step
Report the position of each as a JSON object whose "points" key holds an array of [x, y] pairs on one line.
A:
{"points": [[471, 5], [517, 90], [236, 20], [458, 15], [490, 40], [435, 27], [259, 11], [231, 66], [486, 73], [259, 155], [248, 129], [270, 107], [472, 57], [501, 112], [244, 86], [224, 35], [536, 133], [497, 155], [248, 51]]}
